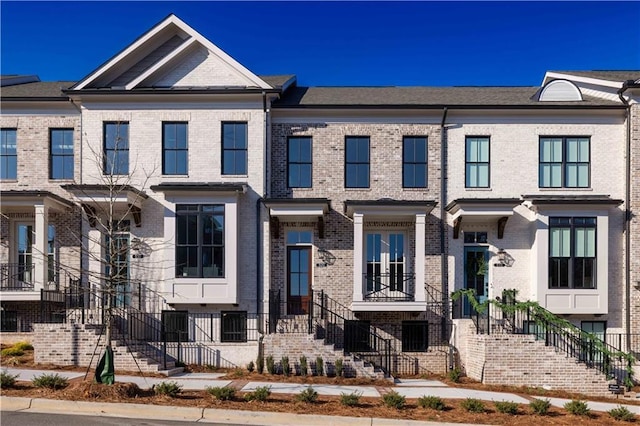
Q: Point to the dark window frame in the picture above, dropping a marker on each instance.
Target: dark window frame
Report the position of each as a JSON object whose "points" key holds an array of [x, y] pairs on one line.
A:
{"points": [[117, 150], [358, 163], [415, 336], [572, 261], [6, 157], [467, 163], [63, 155], [199, 245], [415, 163], [564, 163], [299, 163], [171, 322], [242, 151], [237, 323], [175, 149]]}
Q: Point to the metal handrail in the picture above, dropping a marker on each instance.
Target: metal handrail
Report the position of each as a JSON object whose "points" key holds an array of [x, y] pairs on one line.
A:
{"points": [[16, 277]]}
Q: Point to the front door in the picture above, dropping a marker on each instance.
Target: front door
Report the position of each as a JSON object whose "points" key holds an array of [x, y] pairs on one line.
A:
{"points": [[117, 269], [298, 279], [476, 274], [589, 350]]}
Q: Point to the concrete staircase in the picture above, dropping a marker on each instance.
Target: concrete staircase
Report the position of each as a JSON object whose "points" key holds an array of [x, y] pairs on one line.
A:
{"points": [[293, 340]]}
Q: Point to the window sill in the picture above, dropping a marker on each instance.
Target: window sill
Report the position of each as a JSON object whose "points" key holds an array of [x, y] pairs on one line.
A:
{"points": [[174, 176], [479, 189], [368, 189], [9, 180], [61, 180], [233, 176], [421, 189], [565, 189]]}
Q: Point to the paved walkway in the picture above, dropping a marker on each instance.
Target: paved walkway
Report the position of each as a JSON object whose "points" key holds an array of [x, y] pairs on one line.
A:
{"points": [[410, 388]]}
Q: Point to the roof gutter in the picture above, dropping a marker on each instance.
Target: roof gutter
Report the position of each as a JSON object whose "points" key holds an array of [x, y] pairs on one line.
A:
{"points": [[627, 219]]}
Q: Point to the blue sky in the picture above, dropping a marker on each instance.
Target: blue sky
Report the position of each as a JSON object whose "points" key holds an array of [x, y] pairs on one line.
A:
{"points": [[340, 43]]}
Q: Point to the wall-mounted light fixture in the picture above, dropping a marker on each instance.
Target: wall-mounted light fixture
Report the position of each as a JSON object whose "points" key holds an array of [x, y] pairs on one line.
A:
{"points": [[136, 246], [504, 259]]}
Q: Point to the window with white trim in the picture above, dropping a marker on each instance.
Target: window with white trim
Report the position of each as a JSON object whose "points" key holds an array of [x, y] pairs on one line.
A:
{"points": [[572, 252]]}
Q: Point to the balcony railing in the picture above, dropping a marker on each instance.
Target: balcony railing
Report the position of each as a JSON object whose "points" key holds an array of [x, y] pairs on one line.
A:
{"points": [[388, 287], [16, 277]]}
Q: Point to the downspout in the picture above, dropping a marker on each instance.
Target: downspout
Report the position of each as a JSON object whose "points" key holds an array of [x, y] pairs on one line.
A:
{"points": [[259, 230], [627, 218]]}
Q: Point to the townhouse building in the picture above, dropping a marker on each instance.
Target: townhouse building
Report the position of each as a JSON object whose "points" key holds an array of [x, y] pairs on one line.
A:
{"points": [[224, 215]]}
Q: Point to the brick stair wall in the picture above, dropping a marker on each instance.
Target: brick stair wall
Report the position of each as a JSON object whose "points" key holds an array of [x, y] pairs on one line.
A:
{"points": [[74, 344]]}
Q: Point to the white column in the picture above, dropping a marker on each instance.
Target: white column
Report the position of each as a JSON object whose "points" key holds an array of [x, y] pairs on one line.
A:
{"points": [[231, 250], [41, 276], [95, 262], [421, 220], [357, 256]]}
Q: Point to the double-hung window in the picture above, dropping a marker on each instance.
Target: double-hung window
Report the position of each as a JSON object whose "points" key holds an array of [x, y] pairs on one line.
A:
{"points": [[572, 252], [234, 148], [199, 241], [174, 148], [299, 162], [564, 162], [477, 162], [116, 148], [234, 326], [8, 154], [414, 162], [61, 154], [356, 162]]}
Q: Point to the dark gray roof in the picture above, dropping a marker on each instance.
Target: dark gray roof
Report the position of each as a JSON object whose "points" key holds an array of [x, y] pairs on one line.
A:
{"points": [[83, 189], [437, 97], [572, 199], [12, 79], [200, 186], [278, 81], [40, 89], [34, 194], [618, 75], [506, 202]]}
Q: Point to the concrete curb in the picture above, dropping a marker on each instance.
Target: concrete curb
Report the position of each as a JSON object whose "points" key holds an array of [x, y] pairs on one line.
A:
{"points": [[201, 415]]}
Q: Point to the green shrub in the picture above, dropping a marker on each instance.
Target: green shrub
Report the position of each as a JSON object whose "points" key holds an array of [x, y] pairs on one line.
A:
{"points": [[455, 375], [271, 366], [350, 399], [473, 405], [304, 368], [432, 402], [51, 381], [540, 406], [622, 414], [339, 367], [577, 408], [23, 346], [221, 393], [319, 366], [393, 399], [171, 389], [251, 366], [12, 351], [286, 368], [260, 364], [507, 407], [308, 395], [7, 380], [261, 393]]}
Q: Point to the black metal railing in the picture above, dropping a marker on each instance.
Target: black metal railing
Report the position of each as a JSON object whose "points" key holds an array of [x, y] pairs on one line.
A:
{"points": [[16, 277], [388, 287], [624, 342], [584, 347]]}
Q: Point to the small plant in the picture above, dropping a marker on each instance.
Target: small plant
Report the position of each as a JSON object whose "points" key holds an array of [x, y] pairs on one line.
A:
{"points": [[304, 368], [540, 406], [51, 381], [577, 408], [260, 364], [350, 399], [7, 380], [238, 372], [171, 389], [394, 400], [308, 395], [432, 402], [622, 414], [251, 366], [286, 368], [12, 351], [507, 407], [221, 393], [23, 346], [473, 405], [271, 366], [319, 366], [339, 367], [261, 393], [454, 375]]}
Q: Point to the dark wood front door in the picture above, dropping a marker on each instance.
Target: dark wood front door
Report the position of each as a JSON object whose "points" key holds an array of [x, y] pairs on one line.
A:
{"points": [[298, 279]]}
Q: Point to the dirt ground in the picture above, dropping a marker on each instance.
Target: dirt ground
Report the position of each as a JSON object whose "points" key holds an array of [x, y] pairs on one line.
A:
{"points": [[80, 390]]}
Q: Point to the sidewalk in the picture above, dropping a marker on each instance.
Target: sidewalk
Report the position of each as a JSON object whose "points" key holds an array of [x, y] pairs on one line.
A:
{"points": [[410, 388]]}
